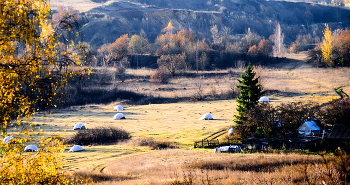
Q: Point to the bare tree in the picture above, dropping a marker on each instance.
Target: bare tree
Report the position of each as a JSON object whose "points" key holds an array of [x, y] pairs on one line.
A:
{"points": [[277, 38]]}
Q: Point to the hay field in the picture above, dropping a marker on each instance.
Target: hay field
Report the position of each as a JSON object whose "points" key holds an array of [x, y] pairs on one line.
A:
{"points": [[175, 122], [178, 122], [204, 167]]}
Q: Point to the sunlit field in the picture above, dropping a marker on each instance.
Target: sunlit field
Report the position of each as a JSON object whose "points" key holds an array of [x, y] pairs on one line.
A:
{"points": [[178, 123]]}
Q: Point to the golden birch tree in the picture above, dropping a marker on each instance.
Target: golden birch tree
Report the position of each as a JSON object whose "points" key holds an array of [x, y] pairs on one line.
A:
{"points": [[326, 46], [36, 59]]}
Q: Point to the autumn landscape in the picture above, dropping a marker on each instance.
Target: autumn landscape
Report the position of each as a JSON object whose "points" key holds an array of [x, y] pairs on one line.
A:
{"points": [[65, 65]]}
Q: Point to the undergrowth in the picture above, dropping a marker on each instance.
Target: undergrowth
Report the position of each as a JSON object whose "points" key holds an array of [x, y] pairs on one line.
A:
{"points": [[105, 135]]}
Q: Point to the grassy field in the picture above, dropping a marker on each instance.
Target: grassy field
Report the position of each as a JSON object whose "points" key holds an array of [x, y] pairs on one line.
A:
{"points": [[178, 122]]}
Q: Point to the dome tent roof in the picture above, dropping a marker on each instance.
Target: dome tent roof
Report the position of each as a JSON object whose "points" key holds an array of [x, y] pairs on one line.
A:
{"points": [[31, 148], [7, 139], [118, 108], [264, 99], [230, 131], [76, 148], [206, 116], [79, 126], [119, 116]]}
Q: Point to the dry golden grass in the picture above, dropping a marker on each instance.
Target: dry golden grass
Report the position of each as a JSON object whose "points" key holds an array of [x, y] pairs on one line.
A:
{"points": [[167, 122], [204, 167], [178, 122]]}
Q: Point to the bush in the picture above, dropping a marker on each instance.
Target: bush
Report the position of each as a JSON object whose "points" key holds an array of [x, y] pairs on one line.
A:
{"points": [[106, 135], [41, 167], [337, 111], [154, 145], [160, 76]]}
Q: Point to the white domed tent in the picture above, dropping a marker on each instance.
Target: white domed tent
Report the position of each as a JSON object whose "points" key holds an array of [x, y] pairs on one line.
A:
{"points": [[206, 116], [31, 148], [118, 108], [76, 148], [264, 99], [79, 126], [7, 139], [230, 131], [119, 116]]}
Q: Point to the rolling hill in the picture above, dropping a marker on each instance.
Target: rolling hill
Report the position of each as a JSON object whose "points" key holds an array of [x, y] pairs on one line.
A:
{"points": [[105, 21]]}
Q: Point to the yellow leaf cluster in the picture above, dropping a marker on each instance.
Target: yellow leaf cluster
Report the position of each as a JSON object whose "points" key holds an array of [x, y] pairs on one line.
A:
{"points": [[40, 167], [326, 46], [33, 63]]}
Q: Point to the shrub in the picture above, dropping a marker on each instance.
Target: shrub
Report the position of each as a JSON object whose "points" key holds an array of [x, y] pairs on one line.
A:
{"points": [[337, 111], [105, 135], [154, 145], [120, 67], [160, 76], [41, 167]]}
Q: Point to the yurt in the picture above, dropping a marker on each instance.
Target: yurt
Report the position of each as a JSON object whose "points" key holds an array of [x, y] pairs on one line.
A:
{"points": [[230, 131], [31, 148], [118, 108], [79, 126], [206, 116], [264, 99], [76, 148], [119, 116], [7, 139]]}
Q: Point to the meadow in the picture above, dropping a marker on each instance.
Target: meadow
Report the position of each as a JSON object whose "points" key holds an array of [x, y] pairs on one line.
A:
{"points": [[293, 80]]}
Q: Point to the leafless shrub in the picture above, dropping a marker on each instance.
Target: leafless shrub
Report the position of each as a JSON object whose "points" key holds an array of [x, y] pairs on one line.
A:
{"points": [[198, 95], [231, 72], [153, 144], [240, 65], [213, 91], [160, 76], [259, 70], [105, 135], [120, 67], [232, 92]]}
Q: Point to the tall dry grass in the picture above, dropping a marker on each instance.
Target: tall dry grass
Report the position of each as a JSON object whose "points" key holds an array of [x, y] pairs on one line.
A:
{"points": [[201, 167]]}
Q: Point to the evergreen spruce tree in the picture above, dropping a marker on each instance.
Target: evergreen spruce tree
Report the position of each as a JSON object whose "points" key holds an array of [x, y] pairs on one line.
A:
{"points": [[250, 92]]}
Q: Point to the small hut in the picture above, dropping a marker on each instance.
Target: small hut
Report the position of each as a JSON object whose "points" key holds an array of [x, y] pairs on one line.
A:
{"points": [[340, 137], [309, 128]]}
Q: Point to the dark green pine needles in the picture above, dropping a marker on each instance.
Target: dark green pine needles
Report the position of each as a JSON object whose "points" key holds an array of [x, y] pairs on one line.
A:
{"points": [[250, 92]]}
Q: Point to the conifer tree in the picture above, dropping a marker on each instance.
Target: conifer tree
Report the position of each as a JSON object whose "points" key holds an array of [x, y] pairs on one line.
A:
{"points": [[250, 91]]}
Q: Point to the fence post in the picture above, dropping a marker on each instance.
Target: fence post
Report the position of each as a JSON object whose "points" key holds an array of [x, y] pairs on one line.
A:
{"points": [[202, 144], [208, 143]]}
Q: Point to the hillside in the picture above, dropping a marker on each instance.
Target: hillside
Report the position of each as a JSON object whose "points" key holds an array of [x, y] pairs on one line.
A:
{"points": [[120, 17]]}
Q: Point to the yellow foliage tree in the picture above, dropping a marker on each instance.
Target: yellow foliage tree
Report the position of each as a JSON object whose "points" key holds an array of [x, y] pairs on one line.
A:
{"points": [[170, 28], [326, 46], [36, 57]]}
